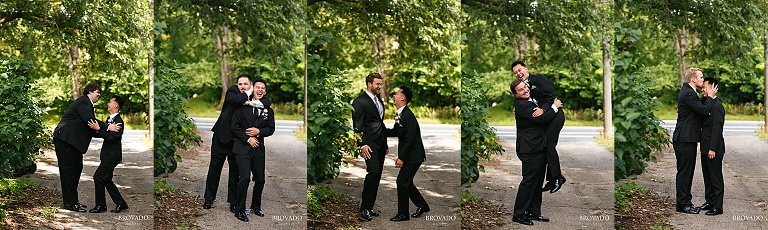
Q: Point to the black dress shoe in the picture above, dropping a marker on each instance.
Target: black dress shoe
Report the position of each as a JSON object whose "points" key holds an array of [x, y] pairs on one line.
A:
{"points": [[76, 208], [523, 220], [400, 217], [688, 209], [548, 186], [241, 216], [82, 205], [419, 211], [258, 212], [366, 214], [207, 204], [119, 208], [714, 211], [706, 206], [373, 213], [537, 217], [558, 184], [98, 209], [232, 208]]}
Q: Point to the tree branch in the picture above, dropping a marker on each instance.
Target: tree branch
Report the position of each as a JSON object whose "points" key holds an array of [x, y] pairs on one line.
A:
{"points": [[6, 17]]}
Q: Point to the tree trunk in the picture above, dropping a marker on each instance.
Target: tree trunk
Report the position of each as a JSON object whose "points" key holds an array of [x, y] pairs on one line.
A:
{"points": [[681, 47], [607, 102], [151, 71], [380, 57], [765, 79], [73, 61], [222, 45], [306, 85]]}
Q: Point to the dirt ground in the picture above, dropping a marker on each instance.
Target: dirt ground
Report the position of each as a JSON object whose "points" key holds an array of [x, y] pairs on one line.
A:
{"points": [[285, 192], [584, 202], [745, 173], [133, 178], [437, 180]]}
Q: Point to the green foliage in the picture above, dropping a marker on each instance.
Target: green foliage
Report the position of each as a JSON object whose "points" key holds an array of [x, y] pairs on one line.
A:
{"points": [[558, 39], [173, 128], [478, 139], [49, 211], [107, 41], [623, 192], [15, 187], [637, 131], [162, 186], [22, 133], [467, 196], [330, 134], [316, 198]]}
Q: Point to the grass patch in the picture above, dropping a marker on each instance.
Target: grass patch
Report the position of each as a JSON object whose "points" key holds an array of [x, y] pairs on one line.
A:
{"points": [[736, 112], [301, 134], [316, 198], [761, 133], [623, 193], [606, 143], [48, 211], [186, 225], [163, 186], [467, 196], [15, 187]]}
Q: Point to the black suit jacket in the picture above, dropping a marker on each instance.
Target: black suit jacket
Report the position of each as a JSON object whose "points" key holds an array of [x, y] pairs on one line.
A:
{"points": [[712, 129], [691, 111], [530, 130], [410, 148], [246, 117], [112, 148], [366, 120], [542, 91], [233, 100], [73, 127]]}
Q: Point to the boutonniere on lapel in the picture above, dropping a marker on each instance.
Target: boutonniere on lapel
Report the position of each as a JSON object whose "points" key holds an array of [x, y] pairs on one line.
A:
{"points": [[397, 120], [533, 87], [265, 113]]}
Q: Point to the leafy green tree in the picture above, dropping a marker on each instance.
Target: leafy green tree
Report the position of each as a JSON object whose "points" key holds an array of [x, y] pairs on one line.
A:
{"points": [[478, 139], [638, 133], [173, 128], [22, 131]]}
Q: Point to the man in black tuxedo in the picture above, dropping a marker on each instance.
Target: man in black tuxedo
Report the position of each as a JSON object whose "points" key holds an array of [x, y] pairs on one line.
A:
{"points": [[221, 144], [712, 148], [541, 90], [691, 111], [249, 149], [367, 119], [71, 139], [111, 155], [531, 145], [410, 155]]}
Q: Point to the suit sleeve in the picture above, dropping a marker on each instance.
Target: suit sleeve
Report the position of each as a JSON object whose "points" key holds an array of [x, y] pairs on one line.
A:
{"points": [[85, 111], [411, 134], [548, 91], [526, 112], [717, 129], [269, 129], [698, 106], [358, 118], [238, 125], [235, 98], [393, 131]]}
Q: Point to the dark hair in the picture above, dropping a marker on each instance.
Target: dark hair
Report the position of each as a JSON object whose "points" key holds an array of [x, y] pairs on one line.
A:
{"points": [[517, 63], [371, 76], [120, 102], [408, 94], [711, 80], [90, 88], [245, 76], [513, 85], [262, 81]]}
